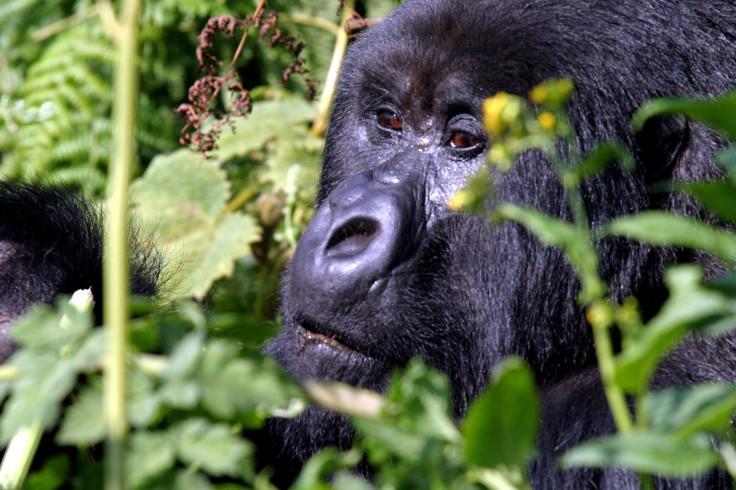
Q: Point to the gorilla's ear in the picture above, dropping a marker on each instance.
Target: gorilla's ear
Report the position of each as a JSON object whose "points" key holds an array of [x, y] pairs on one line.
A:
{"points": [[660, 145]]}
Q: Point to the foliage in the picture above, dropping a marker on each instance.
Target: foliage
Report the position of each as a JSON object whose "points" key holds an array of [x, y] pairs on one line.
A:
{"points": [[672, 432], [228, 224]]}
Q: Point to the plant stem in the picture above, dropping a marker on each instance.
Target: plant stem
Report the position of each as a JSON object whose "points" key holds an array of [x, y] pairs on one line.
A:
{"points": [[614, 395], [338, 53], [116, 268], [309, 20], [19, 455]]}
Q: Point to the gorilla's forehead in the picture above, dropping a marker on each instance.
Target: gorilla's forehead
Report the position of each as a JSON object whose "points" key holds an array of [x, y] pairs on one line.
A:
{"points": [[429, 50]]}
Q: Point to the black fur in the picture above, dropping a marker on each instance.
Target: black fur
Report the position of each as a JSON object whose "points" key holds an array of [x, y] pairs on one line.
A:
{"points": [[50, 244], [449, 287]]}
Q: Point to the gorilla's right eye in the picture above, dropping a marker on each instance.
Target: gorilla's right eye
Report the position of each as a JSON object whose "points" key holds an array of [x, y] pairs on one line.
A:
{"points": [[389, 120]]}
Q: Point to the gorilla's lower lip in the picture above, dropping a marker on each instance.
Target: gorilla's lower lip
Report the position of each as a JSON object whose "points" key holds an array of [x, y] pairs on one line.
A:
{"points": [[311, 337]]}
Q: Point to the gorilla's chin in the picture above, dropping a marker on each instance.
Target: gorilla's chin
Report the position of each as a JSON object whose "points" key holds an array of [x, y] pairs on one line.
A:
{"points": [[308, 351]]}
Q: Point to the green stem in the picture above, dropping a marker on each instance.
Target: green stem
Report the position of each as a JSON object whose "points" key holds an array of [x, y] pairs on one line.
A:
{"points": [[309, 20], [19, 455], [116, 268], [614, 395], [338, 53]]}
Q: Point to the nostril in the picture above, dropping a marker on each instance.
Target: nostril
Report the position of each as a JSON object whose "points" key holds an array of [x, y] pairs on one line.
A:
{"points": [[352, 237]]}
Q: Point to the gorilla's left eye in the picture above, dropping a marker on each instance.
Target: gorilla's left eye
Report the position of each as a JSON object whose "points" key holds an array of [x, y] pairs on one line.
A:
{"points": [[389, 120], [461, 139]]}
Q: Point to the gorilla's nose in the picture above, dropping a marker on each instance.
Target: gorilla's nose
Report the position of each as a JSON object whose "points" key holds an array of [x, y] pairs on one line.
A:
{"points": [[357, 236]]}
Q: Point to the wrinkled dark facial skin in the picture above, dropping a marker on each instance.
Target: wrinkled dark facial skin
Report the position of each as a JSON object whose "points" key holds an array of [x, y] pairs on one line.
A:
{"points": [[385, 271]]}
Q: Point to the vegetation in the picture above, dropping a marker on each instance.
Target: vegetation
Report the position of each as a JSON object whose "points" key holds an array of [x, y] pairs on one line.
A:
{"points": [[174, 402]]}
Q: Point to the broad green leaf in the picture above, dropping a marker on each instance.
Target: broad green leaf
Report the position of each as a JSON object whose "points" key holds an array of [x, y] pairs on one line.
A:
{"points": [[320, 468], [422, 395], [573, 241], [385, 441], [53, 474], [216, 448], [218, 248], [270, 119], [37, 395], [717, 113], [690, 305], [143, 403], [188, 480], [185, 357], [599, 158], [40, 329], [653, 453], [718, 197], [667, 229], [83, 422], [295, 163], [685, 411], [727, 160], [149, 454], [181, 199], [502, 423], [180, 190]]}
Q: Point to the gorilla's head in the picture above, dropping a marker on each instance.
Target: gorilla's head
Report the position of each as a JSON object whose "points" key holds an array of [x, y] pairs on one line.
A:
{"points": [[385, 271]]}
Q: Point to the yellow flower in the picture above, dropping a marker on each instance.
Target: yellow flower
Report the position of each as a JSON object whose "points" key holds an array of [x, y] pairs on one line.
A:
{"points": [[459, 199], [538, 94], [492, 113], [546, 121]]}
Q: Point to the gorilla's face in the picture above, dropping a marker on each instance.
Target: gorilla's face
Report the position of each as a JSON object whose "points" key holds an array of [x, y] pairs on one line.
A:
{"points": [[374, 280]]}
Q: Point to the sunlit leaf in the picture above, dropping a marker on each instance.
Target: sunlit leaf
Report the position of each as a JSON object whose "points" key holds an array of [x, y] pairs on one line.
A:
{"points": [[690, 305], [573, 241], [717, 113], [502, 423], [181, 199], [654, 453], [667, 229], [687, 410]]}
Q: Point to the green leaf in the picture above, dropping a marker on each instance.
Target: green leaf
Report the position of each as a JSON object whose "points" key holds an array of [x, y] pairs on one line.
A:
{"points": [[143, 403], [690, 305], [40, 329], [599, 158], [718, 197], [53, 474], [717, 113], [270, 119], [415, 424], [665, 229], [422, 396], [653, 453], [185, 357], [181, 198], [231, 240], [573, 241], [149, 454], [727, 160], [385, 441], [686, 411], [83, 422], [36, 396], [295, 163], [319, 469], [216, 448], [502, 423]]}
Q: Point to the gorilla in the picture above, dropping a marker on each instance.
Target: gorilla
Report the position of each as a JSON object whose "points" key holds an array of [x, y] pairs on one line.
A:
{"points": [[385, 271]]}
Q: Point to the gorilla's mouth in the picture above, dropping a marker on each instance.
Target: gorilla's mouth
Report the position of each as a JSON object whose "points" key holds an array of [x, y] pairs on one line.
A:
{"points": [[311, 338]]}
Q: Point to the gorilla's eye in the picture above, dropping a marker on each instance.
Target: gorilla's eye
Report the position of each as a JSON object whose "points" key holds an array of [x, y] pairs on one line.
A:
{"points": [[389, 120], [461, 139]]}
